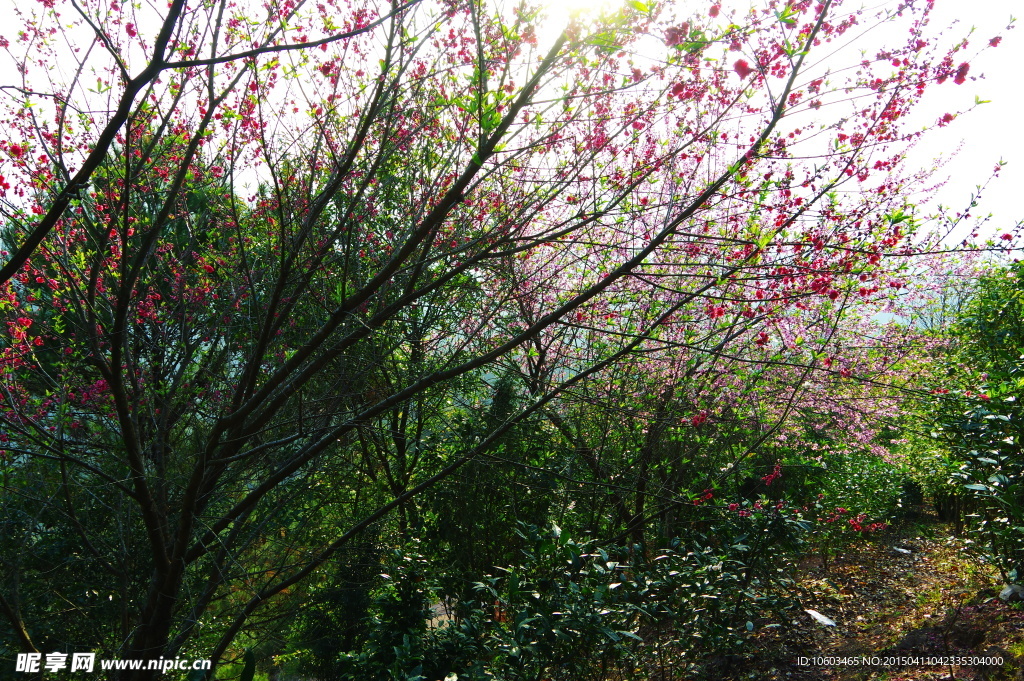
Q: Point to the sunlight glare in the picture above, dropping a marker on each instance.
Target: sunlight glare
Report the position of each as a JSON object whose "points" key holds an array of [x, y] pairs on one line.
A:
{"points": [[558, 12]]}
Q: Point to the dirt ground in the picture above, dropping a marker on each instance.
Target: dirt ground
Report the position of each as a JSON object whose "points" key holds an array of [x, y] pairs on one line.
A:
{"points": [[926, 612]]}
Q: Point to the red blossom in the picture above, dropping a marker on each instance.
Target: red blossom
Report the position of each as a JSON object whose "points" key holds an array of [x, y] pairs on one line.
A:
{"points": [[19, 329], [742, 68], [677, 35], [773, 476], [1006, 237], [130, 30], [961, 73], [995, 41], [715, 9]]}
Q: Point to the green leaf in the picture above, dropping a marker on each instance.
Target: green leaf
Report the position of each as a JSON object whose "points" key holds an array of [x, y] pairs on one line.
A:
{"points": [[606, 41], [787, 16], [490, 120]]}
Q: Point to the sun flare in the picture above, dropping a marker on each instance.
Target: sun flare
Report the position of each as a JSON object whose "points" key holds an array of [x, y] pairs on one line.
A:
{"points": [[558, 12]]}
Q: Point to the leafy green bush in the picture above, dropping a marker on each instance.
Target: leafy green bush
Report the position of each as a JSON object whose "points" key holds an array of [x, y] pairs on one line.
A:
{"points": [[573, 610], [992, 472], [979, 415]]}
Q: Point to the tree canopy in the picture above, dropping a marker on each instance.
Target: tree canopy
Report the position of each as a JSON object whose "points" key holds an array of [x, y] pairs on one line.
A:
{"points": [[292, 287]]}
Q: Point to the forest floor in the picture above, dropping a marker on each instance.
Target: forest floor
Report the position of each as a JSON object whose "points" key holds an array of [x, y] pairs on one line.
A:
{"points": [[894, 612]]}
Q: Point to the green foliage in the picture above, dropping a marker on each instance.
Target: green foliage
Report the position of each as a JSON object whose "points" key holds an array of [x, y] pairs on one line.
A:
{"points": [[470, 519], [864, 482], [831, 504], [564, 609], [334, 619], [384, 632], [980, 418]]}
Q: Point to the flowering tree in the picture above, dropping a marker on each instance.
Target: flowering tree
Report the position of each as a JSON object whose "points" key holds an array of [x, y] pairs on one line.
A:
{"points": [[264, 262]]}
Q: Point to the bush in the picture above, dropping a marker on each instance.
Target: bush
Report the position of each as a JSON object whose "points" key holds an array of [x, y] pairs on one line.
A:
{"points": [[979, 416], [573, 610]]}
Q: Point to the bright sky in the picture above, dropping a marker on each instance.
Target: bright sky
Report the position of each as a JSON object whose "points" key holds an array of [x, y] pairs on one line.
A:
{"points": [[989, 132], [992, 131]]}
